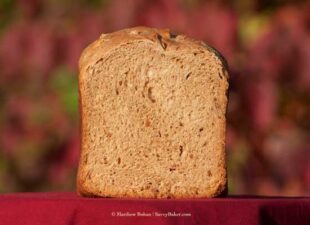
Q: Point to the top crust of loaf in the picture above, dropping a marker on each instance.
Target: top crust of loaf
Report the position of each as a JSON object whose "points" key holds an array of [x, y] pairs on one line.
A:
{"points": [[164, 40]]}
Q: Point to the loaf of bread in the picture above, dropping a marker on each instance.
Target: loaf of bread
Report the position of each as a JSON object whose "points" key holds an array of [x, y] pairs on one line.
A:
{"points": [[152, 107]]}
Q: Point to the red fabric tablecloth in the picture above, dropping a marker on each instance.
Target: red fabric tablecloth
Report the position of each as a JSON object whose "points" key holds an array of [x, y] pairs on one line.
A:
{"points": [[69, 209]]}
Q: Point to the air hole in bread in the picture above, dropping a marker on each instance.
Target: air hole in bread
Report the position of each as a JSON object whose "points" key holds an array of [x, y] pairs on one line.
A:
{"points": [[146, 83], [188, 75], [173, 168], [85, 159], [99, 61], [181, 150], [201, 129], [150, 94], [105, 160], [118, 160], [172, 35], [209, 173], [161, 42], [88, 175], [147, 123]]}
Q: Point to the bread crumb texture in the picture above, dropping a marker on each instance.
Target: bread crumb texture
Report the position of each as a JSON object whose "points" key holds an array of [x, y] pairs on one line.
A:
{"points": [[152, 116]]}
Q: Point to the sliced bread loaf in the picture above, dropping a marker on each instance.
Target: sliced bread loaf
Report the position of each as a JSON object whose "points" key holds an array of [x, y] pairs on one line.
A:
{"points": [[152, 109]]}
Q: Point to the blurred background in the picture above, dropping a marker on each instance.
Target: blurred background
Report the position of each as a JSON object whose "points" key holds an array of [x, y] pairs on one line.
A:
{"points": [[266, 43]]}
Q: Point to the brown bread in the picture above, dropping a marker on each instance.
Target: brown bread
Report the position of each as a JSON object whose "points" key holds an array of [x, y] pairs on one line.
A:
{"points": [[152, 109]]}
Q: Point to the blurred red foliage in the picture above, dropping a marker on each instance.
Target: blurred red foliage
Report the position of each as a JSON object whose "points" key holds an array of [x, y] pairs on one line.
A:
{"points": [[267, 46]]}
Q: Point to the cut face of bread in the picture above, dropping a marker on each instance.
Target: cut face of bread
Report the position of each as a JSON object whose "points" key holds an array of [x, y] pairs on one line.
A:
{"points": [[152, 117]]}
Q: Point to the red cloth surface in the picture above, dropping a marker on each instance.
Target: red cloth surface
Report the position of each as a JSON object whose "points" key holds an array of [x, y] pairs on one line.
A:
{"points": [[69, 209]]}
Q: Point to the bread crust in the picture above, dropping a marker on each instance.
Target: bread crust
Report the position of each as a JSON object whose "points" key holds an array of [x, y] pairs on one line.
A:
{"points": [[169, 42], [164, 37]]}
